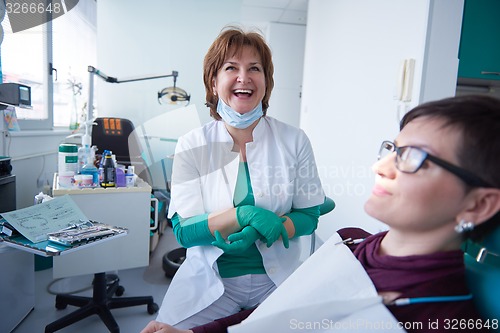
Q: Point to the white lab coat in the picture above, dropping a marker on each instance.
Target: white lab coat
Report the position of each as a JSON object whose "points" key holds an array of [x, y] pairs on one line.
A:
{"points": [[283, 175]]}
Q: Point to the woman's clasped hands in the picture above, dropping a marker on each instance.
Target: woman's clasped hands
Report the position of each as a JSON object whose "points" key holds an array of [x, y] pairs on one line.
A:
{"points": [[256, 223]]}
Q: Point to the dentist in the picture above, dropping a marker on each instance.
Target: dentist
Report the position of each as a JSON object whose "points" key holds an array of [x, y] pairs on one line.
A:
{"points": [[245, 188]]}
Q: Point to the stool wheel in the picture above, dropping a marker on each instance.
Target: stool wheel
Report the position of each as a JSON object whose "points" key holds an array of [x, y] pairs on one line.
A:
{"points": [[153, 308], [119, 291], [61, 305]]}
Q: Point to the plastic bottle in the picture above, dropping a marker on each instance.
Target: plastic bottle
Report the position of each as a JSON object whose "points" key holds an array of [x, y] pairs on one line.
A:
{"points": [[130, 176], [86, 158], [84, 153], [90, 169], [101, 166], [109, 171], [68, 158], [120, 176]]}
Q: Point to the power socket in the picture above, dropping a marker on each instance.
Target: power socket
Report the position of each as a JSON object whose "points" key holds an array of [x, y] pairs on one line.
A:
{"points": [[47, 189]]}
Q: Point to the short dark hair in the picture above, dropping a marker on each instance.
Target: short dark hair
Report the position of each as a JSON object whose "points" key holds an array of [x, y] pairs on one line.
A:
{"points": [[477, 117], [233, 39]]}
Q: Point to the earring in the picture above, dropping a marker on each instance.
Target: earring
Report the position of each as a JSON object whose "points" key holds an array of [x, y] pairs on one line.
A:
{"points": [[464, 227]]}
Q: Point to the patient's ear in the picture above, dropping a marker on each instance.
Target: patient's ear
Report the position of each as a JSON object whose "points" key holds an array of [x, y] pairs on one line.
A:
{"points": [[485, 202]]}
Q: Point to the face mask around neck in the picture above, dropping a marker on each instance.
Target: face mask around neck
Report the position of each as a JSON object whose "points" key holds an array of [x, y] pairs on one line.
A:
{"points": [[235, 119]]}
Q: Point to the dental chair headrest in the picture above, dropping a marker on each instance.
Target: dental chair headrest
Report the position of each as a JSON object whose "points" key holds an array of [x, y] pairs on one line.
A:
{"points": [[327, 206], [482, 262]]}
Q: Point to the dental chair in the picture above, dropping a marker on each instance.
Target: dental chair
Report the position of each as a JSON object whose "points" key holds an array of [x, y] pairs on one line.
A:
{"points": [[173, 260], [119, 136], [482, 262]]}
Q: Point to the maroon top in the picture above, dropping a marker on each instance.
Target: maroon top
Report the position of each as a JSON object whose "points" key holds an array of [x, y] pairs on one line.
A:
{"points": [[439, 274]]}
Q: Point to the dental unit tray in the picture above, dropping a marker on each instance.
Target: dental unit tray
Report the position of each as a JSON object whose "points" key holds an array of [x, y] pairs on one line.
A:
{"points": [[84, 232], [67, 240]]}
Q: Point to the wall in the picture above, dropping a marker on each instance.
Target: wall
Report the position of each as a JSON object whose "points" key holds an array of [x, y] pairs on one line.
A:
{"points": [[34, 161], [164, 35], [33, 157], [353, 54]]}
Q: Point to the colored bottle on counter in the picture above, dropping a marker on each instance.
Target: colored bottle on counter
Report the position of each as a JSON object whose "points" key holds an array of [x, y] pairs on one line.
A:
{"points": [[86, 159], [120, 177], [101, 166], [109, 171]]}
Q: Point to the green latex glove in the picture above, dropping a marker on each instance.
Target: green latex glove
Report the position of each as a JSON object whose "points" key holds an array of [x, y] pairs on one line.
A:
{"points": [[267, 223], [238, 242]]}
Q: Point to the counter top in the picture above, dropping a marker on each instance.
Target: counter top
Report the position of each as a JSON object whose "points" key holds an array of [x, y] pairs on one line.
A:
{"points": [[140, 186]]}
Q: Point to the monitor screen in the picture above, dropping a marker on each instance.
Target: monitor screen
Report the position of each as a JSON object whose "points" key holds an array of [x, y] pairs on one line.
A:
{"points": [[24, 95]]}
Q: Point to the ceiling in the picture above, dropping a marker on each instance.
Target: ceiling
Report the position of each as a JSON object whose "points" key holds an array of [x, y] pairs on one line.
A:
{"points": [[282, 11]]}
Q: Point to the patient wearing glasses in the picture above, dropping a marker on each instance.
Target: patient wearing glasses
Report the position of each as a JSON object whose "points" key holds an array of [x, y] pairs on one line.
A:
{"points": [[437, 184]]}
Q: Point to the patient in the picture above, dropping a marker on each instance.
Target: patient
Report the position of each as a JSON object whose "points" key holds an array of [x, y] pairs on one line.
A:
{"points": [[437, 184]]}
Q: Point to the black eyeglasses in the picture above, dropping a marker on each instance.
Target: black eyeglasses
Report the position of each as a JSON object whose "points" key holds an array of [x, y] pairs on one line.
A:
{"points": [[410, 159]]}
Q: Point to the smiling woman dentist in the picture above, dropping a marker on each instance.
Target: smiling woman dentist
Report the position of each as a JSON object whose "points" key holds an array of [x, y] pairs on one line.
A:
{"points": [[244, 177]]}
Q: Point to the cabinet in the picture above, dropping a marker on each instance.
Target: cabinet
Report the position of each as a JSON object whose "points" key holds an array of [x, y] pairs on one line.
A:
{"points": [[17, 286], [7, 193], [480, 41], [17, 279], [127, 207]]}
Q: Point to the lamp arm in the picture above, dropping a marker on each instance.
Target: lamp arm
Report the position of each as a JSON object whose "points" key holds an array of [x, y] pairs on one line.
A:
{"points": [[94, 71], [111, 79], [173, 74]]}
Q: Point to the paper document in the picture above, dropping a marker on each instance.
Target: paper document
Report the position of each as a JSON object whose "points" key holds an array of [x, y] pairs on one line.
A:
{"points": [[37, 221], [330, 291]]}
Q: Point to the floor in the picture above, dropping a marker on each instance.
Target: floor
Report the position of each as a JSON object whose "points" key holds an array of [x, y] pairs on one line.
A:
{"points": [[145, 281]]}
